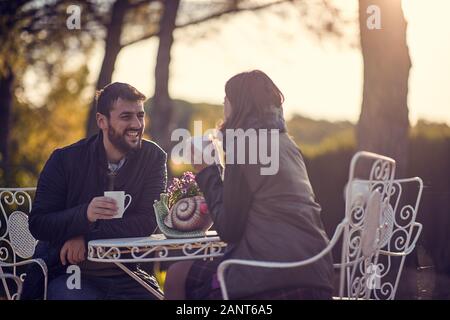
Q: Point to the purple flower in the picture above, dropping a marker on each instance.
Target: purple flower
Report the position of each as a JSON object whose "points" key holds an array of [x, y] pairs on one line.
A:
{"points": [[182, 187]]}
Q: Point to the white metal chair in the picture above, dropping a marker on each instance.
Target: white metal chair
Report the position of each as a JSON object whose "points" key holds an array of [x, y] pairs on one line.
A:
{"points": [[374, 251], [6, 276], [17, 245], [399, 233], [377, 222]]}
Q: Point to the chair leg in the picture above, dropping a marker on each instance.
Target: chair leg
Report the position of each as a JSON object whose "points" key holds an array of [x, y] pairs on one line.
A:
{"points": [[45, 286], [5, 285], [18, 282]]}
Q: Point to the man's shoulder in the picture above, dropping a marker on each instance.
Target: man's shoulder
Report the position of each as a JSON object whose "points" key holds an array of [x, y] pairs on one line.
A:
{"points": [[75, 149], [152, 148]]}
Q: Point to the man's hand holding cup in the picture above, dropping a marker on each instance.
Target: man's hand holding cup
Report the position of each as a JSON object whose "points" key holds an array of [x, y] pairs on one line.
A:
{"points": [[102, 208]]}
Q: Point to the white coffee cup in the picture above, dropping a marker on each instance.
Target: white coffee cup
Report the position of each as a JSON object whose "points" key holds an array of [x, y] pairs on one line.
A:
{"points": [[120, 198]]}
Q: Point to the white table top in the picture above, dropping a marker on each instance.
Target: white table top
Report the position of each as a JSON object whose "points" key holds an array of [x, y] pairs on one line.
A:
{"points": [[153, 240], [154, 248]]}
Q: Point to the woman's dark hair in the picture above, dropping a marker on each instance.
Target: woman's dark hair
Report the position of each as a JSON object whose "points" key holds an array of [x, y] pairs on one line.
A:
{"points": [[110, 93], [251, 94]]}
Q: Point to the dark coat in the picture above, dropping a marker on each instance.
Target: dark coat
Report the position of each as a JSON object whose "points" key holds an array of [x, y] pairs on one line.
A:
{"points": [[74, 175], [268, 218], [70, 179]]}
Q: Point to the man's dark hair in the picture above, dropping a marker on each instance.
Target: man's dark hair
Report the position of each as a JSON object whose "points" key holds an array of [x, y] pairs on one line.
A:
{"points": [[113, 91]]}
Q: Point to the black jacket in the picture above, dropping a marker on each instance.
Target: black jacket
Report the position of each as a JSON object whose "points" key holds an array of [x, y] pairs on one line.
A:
{"points": [[74, 175]]}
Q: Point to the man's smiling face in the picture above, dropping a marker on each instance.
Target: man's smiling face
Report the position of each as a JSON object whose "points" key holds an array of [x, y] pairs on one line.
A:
{"points": [[126, 125]]}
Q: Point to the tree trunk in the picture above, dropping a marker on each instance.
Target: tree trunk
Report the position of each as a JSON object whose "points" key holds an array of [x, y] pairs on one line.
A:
{"points": [[6, 100], [383, 124], [112, 49], [161, 104]]}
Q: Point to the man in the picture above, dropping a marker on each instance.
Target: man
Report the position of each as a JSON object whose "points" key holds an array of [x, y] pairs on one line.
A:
{"points": [[69, 208]]}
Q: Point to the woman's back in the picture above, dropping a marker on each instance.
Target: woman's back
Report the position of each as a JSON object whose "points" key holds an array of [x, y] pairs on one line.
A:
{"points": [[283, 225], [264, 211]]}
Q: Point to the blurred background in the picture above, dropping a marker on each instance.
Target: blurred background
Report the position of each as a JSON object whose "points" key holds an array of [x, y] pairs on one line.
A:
{"points": [[348, 87]]}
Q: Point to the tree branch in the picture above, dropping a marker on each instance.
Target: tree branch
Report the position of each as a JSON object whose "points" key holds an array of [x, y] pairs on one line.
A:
{"points": [[204, 19], [139, 3], [233, 9]]}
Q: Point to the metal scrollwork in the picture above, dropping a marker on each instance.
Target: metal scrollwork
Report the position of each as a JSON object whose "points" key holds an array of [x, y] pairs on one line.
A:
{"points": [[112, 252], [354, 243], [406, 215], [190, 249], [384, 292], [215, 249], [357, 215], [22, 276], [161, 250], [91, 252], [381, 170], [4, 252], [16, 198], [400, 237], [146, 250]]}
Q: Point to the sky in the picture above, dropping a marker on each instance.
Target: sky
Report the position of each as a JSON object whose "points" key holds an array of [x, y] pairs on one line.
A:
{"points": [[320, 79]]}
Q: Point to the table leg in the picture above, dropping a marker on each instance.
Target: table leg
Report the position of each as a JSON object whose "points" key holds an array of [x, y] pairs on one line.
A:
{"points": [[140, 281]]}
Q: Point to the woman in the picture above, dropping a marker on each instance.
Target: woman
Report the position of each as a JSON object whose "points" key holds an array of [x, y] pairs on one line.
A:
{"points": [[261, 217]]}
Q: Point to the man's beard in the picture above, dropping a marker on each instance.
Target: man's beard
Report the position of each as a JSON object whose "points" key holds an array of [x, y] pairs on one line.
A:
{"points": [[119, 140]]}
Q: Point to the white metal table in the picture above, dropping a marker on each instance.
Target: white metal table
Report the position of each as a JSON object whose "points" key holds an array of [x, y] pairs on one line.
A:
{"points": [[155, 248]]}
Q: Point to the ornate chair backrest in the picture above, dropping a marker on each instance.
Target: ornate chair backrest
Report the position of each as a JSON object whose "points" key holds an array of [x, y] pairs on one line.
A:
{"points": [[379, 231], [367, 210], [400, 232], [16, 241]]}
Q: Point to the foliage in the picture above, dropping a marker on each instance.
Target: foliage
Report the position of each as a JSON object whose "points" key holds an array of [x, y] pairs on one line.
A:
{"points": [[316, 137], [431, 130], [35, 35], [37, 131]]}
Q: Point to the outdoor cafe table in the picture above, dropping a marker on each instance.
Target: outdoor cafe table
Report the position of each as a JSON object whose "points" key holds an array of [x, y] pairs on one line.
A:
{"points": [[155, 248]]}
